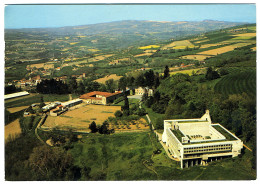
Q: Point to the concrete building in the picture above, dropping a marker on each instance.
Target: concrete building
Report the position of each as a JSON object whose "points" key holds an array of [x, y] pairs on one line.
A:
{"points": [[103, 98], [142, 90], [198, 141]]}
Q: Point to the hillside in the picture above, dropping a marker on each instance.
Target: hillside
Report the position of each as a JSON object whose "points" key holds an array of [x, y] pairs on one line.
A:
{"points": [[42, 43]]}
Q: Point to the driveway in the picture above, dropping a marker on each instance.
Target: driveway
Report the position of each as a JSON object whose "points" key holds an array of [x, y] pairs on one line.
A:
{"points": [[135, 97]]}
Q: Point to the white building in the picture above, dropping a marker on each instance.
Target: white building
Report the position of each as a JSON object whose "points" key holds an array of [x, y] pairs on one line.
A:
{"points": [[198, 141], [71, 103], [141, 91], [15, 95]]}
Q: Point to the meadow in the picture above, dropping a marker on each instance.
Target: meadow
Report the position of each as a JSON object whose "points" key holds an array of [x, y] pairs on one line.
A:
{"points": [[130, 156]]}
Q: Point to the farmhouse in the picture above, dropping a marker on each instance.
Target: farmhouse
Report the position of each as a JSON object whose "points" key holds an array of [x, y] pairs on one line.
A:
{"points": [[198, 141], [103, 98], [141, 91]]}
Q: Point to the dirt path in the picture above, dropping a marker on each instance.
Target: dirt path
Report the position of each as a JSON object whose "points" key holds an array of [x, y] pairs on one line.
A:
{"points": [[13, 129]]}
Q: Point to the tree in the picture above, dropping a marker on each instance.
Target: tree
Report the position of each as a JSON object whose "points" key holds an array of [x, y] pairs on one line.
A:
{"points": [[149, 78], [118, 114], [140, 81], [104, 128], [81, 88], [211, 75], [72, 84], [93, 127], [50, 163], [122, 83], [110, 85], [166, 72]]}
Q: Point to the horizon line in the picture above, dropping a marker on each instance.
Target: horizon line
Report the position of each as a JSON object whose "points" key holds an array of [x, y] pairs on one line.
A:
{"points": [[126, 20]]}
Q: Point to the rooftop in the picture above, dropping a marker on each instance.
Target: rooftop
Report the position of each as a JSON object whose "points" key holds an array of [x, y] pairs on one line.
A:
{"points": [[94, 93]]}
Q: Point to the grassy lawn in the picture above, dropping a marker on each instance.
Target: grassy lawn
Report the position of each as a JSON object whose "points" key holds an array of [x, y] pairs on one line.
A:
{"points": [[129, 156], [153, 115]]}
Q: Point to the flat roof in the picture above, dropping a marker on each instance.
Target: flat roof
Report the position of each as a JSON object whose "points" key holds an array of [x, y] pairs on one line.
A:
{"points": [[14, 95]]}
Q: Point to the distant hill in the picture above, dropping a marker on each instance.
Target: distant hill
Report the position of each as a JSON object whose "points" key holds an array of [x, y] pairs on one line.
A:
{"points": [[135, 27]]}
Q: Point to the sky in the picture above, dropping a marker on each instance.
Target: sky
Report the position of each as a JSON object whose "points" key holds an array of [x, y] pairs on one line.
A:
{"points": [[40, 16]]}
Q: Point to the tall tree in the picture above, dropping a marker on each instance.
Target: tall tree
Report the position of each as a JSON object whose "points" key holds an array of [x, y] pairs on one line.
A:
{"points": [[110, 85], [93, 127], [166, 72]]}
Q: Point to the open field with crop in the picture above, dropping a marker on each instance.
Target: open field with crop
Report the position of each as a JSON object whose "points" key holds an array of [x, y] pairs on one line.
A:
{"points": [[149, 47], [104, 79], [81, 118], [237, 83], [210, 45], [143, 54], [246, 35], [182, 44], [189, 71], [223, 49], [196, 57], [13, 129], [16, 109]]}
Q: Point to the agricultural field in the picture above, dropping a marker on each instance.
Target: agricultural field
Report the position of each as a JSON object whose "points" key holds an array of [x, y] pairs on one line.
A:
{"points": [[223, 49], [80, 118], [149, 47], [13, 129], [196, 57], [179, 45], [104, 79], [190, 71], [237, 83]]}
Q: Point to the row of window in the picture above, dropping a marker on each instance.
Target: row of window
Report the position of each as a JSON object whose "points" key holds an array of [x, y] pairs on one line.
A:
{"points": [[207, 150], [212, 146]]}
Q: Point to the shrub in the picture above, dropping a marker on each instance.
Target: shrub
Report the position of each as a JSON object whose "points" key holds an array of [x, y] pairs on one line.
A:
{"points": [[118, 114]]}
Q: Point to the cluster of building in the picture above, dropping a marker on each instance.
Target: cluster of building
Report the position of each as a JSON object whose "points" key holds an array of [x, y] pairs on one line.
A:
{"points": [[198, 141], [57, 108], [33, 81]]}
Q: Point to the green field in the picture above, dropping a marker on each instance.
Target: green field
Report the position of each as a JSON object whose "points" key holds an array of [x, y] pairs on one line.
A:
{"points": [[237, 83], [129, 156]]}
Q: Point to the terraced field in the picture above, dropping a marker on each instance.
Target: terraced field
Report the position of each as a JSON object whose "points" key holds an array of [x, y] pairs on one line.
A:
{"points": [[237, 83]]}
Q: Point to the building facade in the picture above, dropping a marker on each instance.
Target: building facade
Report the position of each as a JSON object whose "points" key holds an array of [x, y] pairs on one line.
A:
{"points": [[198, 141], [102, 98], [142, 90]]}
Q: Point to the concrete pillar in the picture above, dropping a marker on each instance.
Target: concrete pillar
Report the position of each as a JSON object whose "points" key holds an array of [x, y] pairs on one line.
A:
{"points": [[187, 164], [196, 161], [181, 164], [191, 163]]}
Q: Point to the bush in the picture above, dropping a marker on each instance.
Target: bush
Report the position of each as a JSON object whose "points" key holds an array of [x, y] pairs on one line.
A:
{"points": [[118, 114]]}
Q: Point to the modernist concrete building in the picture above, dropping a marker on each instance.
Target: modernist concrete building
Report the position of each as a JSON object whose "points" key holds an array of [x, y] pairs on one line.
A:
{"points": [[102, 98], [198, 141]]}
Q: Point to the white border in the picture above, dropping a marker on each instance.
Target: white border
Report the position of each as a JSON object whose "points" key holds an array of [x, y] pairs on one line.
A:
{"points": [[4, 2]]}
